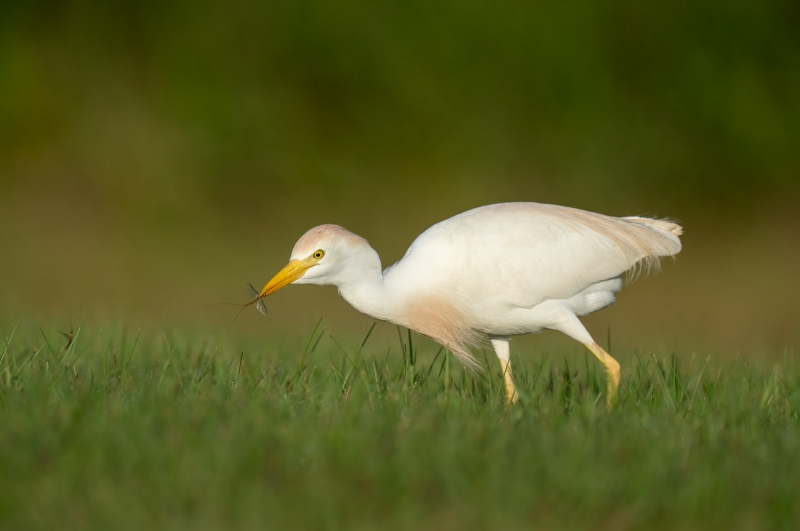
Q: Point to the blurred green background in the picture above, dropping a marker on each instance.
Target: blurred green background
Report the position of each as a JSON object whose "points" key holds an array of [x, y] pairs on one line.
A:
{"points": [[155, 156]]}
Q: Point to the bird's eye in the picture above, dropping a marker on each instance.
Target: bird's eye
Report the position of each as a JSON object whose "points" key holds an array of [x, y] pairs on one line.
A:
{"points": [[319, 254]]}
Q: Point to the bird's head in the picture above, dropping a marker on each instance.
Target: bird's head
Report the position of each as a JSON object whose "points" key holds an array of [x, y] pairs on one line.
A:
{"points": [[318, 257]]}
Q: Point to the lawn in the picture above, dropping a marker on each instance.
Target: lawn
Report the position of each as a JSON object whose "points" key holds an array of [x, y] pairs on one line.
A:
{"points": [[135, 430]]}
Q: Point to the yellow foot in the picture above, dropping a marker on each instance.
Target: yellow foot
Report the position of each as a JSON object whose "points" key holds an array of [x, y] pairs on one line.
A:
{"points": [[612, 372], [511, 391], [511, 396], [612, 380]]}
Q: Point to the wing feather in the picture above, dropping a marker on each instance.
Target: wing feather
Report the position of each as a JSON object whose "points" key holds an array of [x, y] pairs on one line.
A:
{"points": [[524, 253]]}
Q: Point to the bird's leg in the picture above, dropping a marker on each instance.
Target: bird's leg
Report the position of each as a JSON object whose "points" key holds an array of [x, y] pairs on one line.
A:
{"points": [[571, 325], [612, 371], [501, 348], [511, 391]]}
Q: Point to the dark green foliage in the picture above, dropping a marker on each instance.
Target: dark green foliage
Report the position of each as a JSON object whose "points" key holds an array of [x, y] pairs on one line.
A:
{"points": [[626, 102]]}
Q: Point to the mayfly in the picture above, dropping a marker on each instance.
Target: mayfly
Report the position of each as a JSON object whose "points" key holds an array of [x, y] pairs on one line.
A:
{"points": [[257, 300]]}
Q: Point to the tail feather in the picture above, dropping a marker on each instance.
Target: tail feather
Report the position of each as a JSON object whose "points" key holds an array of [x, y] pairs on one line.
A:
{"points": [[664, 225], [662, 240], [664, 228]]}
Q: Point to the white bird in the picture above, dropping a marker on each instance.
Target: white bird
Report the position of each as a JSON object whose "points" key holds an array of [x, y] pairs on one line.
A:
{"points": [[495, 271]]}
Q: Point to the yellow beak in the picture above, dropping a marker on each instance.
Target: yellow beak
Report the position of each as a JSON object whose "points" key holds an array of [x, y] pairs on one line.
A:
{"points": [[293, 270]]}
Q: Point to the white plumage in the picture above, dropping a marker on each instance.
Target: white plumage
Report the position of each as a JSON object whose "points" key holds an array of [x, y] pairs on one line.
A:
{"points": [[494, 271]]}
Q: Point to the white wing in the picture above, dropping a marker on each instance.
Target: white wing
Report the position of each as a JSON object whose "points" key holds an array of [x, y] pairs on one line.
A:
{"points": [[520, 254]]}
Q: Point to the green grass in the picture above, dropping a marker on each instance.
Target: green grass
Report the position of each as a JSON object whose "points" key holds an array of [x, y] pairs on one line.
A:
{"points": [[130, 431]]}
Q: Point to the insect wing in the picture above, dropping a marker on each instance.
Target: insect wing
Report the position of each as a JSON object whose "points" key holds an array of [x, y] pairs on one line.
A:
{"points": [[252, 291], [256, 299]]}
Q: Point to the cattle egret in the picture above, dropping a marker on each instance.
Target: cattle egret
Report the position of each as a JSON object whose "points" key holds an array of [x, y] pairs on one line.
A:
{"points": [[495, 271]]}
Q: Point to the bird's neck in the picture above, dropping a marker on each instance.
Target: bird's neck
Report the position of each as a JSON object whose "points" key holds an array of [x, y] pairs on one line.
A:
{"points": [[362, 285]]}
